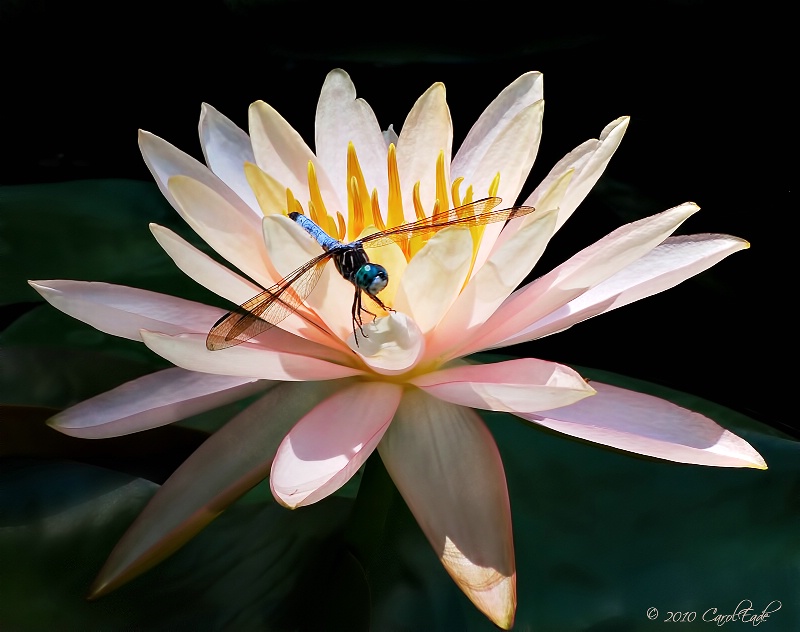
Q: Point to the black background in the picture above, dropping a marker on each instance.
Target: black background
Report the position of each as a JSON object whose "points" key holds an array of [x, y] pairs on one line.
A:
{"points": [[708, 88]]}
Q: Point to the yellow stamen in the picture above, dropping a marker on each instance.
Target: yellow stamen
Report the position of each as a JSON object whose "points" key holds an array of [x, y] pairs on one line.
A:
{"points": [[377, 218], [268, 191], [468, 195], [441, 183], [495, 185], [340, 233], [355, 211], [417, 202], [357, 188], [417, 241], [454, 191], [395, 215], [292, 205], [323, 218]]}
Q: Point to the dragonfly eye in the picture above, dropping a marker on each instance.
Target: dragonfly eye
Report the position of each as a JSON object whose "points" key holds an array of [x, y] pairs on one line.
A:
{"points": [[372, 278]]}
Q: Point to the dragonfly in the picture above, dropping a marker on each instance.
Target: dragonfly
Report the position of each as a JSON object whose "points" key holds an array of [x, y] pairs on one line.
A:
{"points": [[270, 307]]}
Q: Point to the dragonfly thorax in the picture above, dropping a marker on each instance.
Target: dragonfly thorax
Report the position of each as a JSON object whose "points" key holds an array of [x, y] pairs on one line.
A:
{"points": [[353, 264]]}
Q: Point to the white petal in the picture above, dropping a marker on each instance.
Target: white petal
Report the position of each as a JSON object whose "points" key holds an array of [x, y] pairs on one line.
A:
{"points": [[427, 131], [341, 119], [234, 237], [446, 466], [154, 400], [434, 277], [165, 161], [226, 148], [490, 133], [588, 160], [648, 425], [282, 153], [327, 446]]}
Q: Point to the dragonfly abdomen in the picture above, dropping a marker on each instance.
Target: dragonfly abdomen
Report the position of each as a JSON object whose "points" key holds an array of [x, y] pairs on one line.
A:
{"points": [[322, 238]]}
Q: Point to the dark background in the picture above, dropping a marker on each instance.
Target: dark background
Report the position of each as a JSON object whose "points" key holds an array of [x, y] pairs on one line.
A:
{"points": [[708, 88]]}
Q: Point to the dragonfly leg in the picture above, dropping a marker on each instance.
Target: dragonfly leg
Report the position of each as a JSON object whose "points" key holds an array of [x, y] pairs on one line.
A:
{"points": [[356, 315], [380, 304]]}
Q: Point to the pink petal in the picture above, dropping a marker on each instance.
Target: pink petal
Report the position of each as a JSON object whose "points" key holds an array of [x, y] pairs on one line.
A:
{"points": [[327, 446], [226, 149], [427, 131], [673, 261], [584, 270], [648, 425], [342, 118], [516, 386], [154, 400], [446, 465], [286, 361], [124, 311], [224, 467], [202, 269]]}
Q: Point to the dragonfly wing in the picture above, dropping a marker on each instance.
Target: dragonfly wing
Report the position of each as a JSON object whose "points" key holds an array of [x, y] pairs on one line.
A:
{"points": [[267, 309], [476, 213]]}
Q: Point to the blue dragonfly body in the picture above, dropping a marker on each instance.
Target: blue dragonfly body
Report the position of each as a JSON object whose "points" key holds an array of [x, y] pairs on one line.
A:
{"points": [[275, 303]]}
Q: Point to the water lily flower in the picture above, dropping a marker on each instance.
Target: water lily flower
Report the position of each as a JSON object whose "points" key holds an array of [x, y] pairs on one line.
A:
{"points": [[404, 389]]}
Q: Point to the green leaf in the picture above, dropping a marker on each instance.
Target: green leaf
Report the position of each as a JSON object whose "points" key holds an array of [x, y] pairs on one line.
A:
{"points": [[92, 230]]}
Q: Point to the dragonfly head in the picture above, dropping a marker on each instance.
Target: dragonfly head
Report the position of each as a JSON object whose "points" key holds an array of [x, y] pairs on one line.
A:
{"points": [[371, 278]]}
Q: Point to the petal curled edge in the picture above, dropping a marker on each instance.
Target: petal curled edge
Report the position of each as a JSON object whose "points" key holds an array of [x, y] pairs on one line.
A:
{"points": [[153, 400], [225, 466], [446, 466], [581, 272], [250, 359], [124, 311], [651, 426], [393, 344], [668, 264], [516, 386], [226, 149], [328, 445]]}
